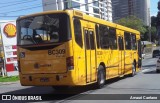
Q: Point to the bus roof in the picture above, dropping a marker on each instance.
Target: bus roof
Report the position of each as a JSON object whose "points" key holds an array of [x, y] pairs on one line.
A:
{"points": [[84, 16]]}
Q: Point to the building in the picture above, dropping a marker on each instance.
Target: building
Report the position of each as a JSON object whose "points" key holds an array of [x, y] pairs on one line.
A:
{"points": [[138, 8], [98, 8]]}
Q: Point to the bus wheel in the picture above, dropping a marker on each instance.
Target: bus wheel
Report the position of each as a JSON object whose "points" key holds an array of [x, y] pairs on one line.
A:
{"points": [[100, 77], [133, 70]]}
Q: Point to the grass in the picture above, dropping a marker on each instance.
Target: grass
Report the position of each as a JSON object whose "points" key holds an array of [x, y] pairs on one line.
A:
{"points": [[9, 79]]}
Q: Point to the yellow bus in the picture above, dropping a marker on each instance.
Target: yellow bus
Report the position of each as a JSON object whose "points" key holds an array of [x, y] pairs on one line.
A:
{"points": [[70, 48]]}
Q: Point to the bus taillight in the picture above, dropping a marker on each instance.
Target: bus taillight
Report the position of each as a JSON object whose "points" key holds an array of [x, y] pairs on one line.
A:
{"points": [[70, 63]]}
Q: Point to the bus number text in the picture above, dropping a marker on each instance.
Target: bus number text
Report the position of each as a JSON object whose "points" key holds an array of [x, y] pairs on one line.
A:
{"points": [[56, 52]]}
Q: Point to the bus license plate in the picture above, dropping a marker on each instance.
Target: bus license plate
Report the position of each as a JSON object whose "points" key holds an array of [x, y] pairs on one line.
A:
{"points": [[44, 79]]}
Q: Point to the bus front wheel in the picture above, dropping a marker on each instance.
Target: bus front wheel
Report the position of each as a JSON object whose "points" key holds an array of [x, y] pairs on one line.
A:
{"points": [[100, 77]]}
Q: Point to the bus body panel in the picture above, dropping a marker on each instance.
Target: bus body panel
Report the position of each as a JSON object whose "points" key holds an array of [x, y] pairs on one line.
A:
{"points": [[44, 61]]}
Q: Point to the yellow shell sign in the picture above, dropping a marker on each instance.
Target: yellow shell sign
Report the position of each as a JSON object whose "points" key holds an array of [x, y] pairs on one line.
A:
{"points": [[10, 30]]}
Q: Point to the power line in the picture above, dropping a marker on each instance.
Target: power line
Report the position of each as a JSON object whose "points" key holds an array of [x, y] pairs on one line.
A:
{"points": [[45, 5], [26, 8], [20, 6], [21, 9], [10, 2], [15, 4]]}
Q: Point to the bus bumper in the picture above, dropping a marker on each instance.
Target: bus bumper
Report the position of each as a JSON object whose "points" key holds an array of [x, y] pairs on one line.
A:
{"points": [[48, 80]]}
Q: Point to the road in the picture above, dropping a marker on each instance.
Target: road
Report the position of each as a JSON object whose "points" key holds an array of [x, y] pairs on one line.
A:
{"points": [[145, 82]]}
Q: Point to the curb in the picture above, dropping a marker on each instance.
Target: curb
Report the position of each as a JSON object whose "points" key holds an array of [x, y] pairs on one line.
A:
{"points": [[8, 83]]}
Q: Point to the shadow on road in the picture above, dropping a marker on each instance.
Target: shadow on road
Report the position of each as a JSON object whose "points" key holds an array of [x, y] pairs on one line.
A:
{"points": [[153, 65], [151, 72], [148, 58], [136, 89], [48, 93]]}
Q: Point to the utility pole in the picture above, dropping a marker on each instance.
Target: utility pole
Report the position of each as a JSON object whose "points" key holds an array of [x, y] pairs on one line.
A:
{"points": [[150, 35]]}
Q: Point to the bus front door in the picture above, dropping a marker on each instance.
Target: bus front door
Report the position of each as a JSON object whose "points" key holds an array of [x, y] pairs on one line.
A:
{"points": [[90, 51], [121, 56]]}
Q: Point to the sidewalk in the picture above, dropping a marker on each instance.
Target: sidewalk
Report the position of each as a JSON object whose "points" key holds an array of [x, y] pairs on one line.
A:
{"points": [[8, 83]]}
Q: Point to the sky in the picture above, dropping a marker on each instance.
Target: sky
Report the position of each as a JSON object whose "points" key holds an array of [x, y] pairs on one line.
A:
{"points": [[153, 5], [12, 9]]}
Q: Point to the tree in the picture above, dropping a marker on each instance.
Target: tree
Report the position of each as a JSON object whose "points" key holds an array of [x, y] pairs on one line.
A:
{"points": [[153, 33], [132, 22], [154, 21], [158, 19]]}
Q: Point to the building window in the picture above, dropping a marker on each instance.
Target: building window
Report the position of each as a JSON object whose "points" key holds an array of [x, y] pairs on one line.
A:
{"points": [[78, 32], [71, 4], [86, 5], [66, 4], [96, 6], [75, 5]]}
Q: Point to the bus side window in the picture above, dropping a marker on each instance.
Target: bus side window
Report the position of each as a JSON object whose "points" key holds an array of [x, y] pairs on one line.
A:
{"points": [[78, 32], [134, 44], [97, 36], [112, 38], [127, 40], [104, 36]]}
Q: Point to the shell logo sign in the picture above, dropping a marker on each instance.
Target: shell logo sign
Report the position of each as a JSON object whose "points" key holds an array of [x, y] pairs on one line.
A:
{"points": [[10, 30]]}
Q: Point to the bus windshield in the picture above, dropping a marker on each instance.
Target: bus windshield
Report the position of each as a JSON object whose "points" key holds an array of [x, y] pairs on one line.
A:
{"points": [[43, 29]]}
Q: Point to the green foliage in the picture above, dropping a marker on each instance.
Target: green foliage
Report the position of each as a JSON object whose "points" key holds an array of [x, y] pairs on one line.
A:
{"points": [[132, 22], [9, 79], [153, 30], [153, 33], [154, 21]]}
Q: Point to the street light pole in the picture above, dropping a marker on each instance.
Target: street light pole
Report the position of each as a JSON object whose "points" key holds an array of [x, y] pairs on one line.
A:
{"points": [[149, 29]]}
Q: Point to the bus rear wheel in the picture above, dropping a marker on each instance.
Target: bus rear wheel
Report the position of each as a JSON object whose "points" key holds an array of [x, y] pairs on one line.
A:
{"points": [[100, 77]]}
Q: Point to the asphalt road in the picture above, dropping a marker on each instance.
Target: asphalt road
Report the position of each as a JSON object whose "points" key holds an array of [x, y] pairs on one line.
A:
{"points": [[145, 82]]}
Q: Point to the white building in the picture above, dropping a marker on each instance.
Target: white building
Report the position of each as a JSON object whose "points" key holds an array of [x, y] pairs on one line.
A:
{"points": [[98, 8]]}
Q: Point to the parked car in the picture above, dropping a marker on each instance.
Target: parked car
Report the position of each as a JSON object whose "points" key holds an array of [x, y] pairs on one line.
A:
{"points": [[158, 66], [155, 53], [143, 56]]}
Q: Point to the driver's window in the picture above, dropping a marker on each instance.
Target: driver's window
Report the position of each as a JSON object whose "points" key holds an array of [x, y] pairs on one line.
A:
{"points": [[26, 31], [54, 37]]}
